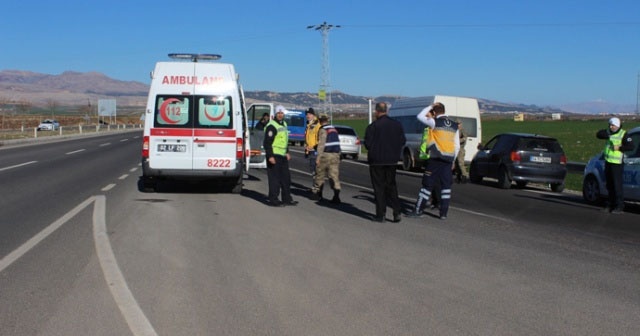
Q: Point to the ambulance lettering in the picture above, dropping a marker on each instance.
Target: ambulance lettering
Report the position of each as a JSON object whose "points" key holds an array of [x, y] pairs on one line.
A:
{"points": [[191, 80]]}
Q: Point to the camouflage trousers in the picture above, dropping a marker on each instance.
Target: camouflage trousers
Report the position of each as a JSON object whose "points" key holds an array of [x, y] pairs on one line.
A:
{"points": [[328, 167]]}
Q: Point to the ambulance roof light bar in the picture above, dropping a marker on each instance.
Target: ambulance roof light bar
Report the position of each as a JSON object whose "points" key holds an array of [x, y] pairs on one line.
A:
{"points": [[195, 57]]}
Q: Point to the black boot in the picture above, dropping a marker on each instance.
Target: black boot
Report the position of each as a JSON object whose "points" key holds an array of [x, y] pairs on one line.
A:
{"points": [[315, 196], [336, 197]]}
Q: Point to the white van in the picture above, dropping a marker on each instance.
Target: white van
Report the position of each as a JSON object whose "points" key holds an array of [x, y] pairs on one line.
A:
{"points": [[195, 123], [460, 109]]}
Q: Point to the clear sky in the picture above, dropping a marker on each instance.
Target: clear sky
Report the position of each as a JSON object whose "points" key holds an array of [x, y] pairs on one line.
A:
{"points": [[543, 52]]}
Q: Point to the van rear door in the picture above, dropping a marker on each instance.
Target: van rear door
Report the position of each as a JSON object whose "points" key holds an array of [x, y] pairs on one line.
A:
{"points": [[170, 137]]}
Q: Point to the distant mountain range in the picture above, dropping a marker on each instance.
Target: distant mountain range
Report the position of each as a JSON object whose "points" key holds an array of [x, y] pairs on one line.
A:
{"points": [[75, 88]]}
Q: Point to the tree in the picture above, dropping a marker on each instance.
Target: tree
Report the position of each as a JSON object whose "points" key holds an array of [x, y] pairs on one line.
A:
{"points": [[52, 105]]}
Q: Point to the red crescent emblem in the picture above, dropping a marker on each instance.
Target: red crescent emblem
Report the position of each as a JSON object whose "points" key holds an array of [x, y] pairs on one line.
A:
{"points": [[163, 111], [214, 118]]}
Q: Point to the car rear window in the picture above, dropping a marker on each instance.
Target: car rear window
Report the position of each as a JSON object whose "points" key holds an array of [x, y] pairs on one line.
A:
{"points": [[539, 145], [346, 131]]}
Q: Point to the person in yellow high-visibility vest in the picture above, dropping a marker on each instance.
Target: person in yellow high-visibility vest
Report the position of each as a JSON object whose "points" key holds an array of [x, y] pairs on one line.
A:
{"points": [[276, 145], [617, 143]]}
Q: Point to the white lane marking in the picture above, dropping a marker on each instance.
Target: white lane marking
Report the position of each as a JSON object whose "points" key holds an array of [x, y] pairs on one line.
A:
{"points": [[78, 151], [133, 169], [105, 144], [413, 200], [123, 140], [29, 244], [135, 317], [108, 187], [123, 177], [18, 165]]}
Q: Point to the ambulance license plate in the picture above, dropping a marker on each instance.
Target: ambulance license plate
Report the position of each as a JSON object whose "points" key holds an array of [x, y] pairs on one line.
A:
{"points": [[172, 148]]}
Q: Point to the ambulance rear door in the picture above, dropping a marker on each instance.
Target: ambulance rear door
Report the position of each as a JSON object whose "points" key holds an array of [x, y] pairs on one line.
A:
{"points": [[218, 138], [171, 131]]}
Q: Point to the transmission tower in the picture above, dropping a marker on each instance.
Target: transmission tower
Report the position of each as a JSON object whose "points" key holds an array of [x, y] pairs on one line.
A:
{"points": [[324, 93]]}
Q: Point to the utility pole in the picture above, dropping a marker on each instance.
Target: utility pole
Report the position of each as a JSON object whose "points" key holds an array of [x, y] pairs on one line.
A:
{"points": [[638, 93], [324, 93]]}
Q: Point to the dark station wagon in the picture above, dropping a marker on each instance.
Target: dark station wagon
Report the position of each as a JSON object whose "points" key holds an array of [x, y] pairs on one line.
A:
{"points": [[520, 158]]}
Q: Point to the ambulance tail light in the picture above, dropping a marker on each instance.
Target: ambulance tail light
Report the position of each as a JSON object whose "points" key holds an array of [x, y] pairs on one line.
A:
{"points": [[239, 148], [145, 147]]}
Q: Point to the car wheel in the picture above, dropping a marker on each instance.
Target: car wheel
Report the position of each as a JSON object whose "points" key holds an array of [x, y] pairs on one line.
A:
{"points": [[591, 190], [354, 156], [521, 184], [557, 187], [503, 178], [407, 163], [474, 177]]}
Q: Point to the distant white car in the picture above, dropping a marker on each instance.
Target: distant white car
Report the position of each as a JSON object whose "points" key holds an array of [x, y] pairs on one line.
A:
{"points": [[594, 186], [349, 141], [49, 125]]}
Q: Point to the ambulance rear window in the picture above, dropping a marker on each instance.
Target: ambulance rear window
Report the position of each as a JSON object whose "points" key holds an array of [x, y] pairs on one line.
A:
{"points": [[213, 112], [173, 111]]}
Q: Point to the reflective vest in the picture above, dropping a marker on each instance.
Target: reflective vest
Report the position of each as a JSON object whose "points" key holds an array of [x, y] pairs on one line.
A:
{"points": [[441, 140], [424, 154], [332, 145], [281, 140], [611, 155], [311, 134]]}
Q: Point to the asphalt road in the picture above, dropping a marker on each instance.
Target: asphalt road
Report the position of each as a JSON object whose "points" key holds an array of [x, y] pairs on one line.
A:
{"points": [[85, 253]]}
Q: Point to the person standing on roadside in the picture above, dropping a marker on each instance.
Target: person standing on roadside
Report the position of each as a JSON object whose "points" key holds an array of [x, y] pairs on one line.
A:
{"points": [[443, 144], [328, 161], [311, 140], [462, 176], [617, 143], [276, 145], [384, 139]]}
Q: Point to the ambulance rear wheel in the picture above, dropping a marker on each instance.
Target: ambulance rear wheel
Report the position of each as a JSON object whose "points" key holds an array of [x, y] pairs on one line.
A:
{"points": [[237, 187], [147, 184]]}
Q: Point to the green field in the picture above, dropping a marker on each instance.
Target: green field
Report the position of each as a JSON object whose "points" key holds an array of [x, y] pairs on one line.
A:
{"points": [[577, 137]]}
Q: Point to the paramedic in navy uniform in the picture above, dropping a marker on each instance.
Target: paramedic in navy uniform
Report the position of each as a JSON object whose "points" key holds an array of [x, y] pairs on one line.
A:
{"points": [[276, 144]]}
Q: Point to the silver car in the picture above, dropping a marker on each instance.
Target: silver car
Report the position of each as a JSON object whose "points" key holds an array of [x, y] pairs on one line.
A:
{"points": [[49, 125], [349, 141], [594, 187]]}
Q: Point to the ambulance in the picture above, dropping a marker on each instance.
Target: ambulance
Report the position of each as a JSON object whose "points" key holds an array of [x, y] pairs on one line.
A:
{"points": [[195, 123]]}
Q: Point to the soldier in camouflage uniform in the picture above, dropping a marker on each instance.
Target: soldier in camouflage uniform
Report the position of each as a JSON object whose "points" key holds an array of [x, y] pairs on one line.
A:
{"points": [[328, 161]]}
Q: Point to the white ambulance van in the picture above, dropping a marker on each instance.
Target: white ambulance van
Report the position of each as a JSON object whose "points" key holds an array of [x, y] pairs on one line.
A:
{"points": [[462, 109], [195, 123]]}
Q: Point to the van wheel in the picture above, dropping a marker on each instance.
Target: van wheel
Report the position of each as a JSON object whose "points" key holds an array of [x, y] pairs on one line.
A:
{"points": [[146, 184], [503, 178], [237, 187], [407, 162], [521, 184]]}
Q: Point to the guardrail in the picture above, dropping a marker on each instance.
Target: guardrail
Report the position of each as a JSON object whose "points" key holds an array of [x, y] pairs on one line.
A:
{"points": [[13, 137]]}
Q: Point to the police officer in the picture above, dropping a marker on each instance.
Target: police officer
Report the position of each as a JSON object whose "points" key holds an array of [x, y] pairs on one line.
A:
{"points": [[617, 142], [328, 161], [276, 145]]}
